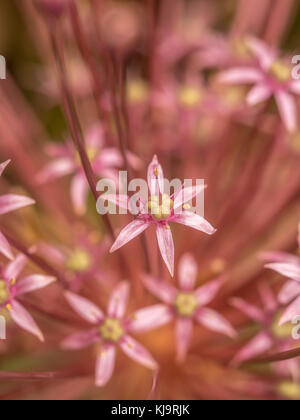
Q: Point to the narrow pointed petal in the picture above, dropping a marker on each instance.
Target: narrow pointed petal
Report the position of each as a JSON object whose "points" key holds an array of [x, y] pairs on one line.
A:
{"points": [[287, 109], [186, 194], [253, 312], [138, 353], [3, 166], [120, 200], [268, 297], [79, 193], [215, 322], [13, 269], [265, 54], [258, 94], [291, 313], [80, 340], [294, 87], [109, 158], [85, 308], [259, 345], [240, 75], [166, 245], [119, 300], [289, 292], [291, 271], [206, 294], [155, 177], [57, 169], [188, 271], [32, 283], [11, 202], [184, 333], [105, 365], [162, 290], [130, 232], [5, 248], [280, 257], [151, 318], [24, 320], [194, 221]]}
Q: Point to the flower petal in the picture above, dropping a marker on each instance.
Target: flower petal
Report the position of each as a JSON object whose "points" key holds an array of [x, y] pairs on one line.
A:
{"points": [[56, 169], [194, 221], [21, 317], [130, 232], [155, 177], [258, 94], [292, 312], [5, 248], [79, 192], [187, 272], [3, 166], [32, 283], [80, 340], [257, 346], [109, 158], [215, 322], [118, 301], [138, 353], [265, 55], [240, 75], [13, 269], [84, 308], [206, 294], [105, 365], [186, 194], [161, 290], [151, 318], [287, 109], [11, 202], [268, 297], [253, 312], [292, 271], [289, 292], [294, 86], [281, 257], [184, 333], [166, 245]]}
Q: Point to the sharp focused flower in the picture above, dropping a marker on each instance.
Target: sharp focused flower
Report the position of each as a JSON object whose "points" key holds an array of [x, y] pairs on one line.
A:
{"points": [[161, 210], [112, 330], [9, 203], [11, 290], [272, 77], [187, 305]]}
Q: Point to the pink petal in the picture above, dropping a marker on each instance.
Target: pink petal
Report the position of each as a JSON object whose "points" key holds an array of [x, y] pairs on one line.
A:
{"points": [[109, 158], [215, 322], [184, 333], [130, 232], [186, 194], [292, 312], [242, 75], [187, 272], [3, 166], [11, 202], [287, 109], [253, 312], [258, 94], [120, 200], [79, 192], [138, 353], [14, 268], [80, 340], [155, 177], [294, 87], [21, 317], [259, 345], [95, 136], [265, 55], [289, 292], [134, 161], [5, 248], [268, 297], [151, 318], [206, 294], [32, 283], [105, 365], [194, 221], [166, 245], [161, 290], [118, 301], [281, 257], [57, 169], [84, 308], [292, 271]]}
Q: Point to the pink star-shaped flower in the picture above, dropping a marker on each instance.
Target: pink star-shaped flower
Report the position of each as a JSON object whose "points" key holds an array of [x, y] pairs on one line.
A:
{"points": [[160, 211], [8, 203], [11, 290], [187, 305], [271, 77], [113, 330]]}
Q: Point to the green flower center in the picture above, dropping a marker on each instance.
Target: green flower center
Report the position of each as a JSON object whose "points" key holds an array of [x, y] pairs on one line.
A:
{"points": [[189, 96], [4, 292], [186, 304], [163, 210], [111, 330], [79, 261], [281, 71]]}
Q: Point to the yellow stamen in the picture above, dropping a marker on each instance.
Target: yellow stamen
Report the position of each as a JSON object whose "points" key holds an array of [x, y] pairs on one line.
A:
{"points": [[289, 390], [186, 304], [4, 292], [79, 261], [281, 71], [137, 92], [161, 211], [111, 330], [189, 96], [9, 307]]}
